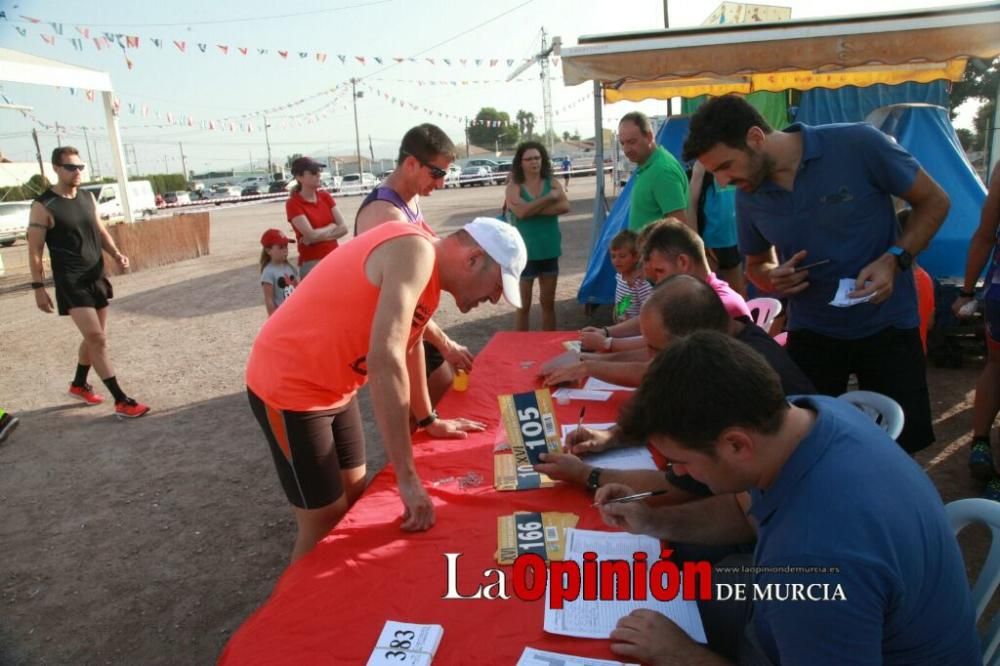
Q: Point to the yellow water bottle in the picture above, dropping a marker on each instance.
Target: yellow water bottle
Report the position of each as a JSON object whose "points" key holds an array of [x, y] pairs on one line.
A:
{"points": [[461, 381]]}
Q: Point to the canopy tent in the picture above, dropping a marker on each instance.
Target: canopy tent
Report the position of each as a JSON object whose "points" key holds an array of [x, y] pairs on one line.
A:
{"points": [[18, 67], [917, 46]]}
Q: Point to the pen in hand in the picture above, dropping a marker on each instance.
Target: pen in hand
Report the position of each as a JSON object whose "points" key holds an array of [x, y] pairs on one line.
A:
{"points": [[579, 421], [632, 498]]}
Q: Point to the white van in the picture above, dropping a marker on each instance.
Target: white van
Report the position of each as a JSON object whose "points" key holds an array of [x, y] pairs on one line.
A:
{"points": [[14, 217], [354, 183], [109, 205]]}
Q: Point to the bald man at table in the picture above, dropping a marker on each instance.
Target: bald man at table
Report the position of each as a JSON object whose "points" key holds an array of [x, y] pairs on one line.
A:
{"points": [[362, 315]]}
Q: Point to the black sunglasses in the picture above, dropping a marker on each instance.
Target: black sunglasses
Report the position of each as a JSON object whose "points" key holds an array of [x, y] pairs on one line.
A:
{"points": [[436, 172], [73, 167]]}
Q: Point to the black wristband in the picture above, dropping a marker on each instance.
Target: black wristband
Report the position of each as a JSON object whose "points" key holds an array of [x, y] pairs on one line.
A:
{"points": [[607, 334], [429, 419], [967, 294], [594, 479], [38, 285]]}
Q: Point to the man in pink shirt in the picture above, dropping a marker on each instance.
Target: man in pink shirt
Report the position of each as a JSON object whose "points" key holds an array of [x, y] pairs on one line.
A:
{"points": [[667, 247]]}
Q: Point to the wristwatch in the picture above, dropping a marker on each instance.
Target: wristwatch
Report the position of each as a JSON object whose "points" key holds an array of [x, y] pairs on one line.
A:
{"points": [[594, 480], [903, 258], [427, 420]]}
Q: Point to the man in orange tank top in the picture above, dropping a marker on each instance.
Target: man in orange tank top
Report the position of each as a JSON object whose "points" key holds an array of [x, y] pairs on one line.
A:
{"points": [[337, 331]]}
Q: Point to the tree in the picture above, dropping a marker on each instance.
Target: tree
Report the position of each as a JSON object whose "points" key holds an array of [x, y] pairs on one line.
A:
{"points": [[493, 129], [526, 124], [982, 122], [292, 158], [979, 82], [967, 138]]}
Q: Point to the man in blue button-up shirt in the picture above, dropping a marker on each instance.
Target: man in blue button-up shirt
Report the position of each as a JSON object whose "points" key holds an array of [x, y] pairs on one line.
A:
{"points": [[824, 194]]}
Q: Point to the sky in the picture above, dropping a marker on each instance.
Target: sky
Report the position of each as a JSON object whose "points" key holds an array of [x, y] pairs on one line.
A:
{"points": [[306, 98]]}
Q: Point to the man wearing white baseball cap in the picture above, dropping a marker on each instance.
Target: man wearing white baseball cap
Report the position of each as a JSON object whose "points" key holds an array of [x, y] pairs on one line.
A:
{"points": [[362, 316]]}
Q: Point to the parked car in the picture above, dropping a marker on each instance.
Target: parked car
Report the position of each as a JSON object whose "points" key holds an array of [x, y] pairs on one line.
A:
{"points": [[502, 170], [330, 183], [385, 174], [141, 198], [475, 175], [13, 221], [359, 183], [277, 186], [454, 176], [176, 198], [250, 191], [482, 161]]}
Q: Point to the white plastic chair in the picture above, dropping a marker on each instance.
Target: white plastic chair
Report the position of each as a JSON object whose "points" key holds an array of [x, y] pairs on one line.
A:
{"points": [[884, 411], [767, 310], [978, 510]]}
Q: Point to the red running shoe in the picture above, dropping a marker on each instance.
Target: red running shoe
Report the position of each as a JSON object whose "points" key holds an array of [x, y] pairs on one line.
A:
{"points": [[130, 409], [86, 394]]}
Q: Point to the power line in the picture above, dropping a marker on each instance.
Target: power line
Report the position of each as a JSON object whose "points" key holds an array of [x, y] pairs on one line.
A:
{"points": [[452, 38], [217, 21]]}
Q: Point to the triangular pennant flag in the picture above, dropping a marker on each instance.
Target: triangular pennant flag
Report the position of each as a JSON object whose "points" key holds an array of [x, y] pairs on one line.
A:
{"points": [[430, 60], [478, 62], [446, 61], [145, 111], [49, 39], [170, 118], [223, 48], [116, 104], [261, 51], [555, 62], [132, 41], [21, 31], [190, 121], [157, 42], [202, 47], [463, 61], [131, 108], [28, 18], [493, 62], [283, 54], [398, 59], [57, 27], [378, 59], [303, 54], [180, 45], [242, 49], [360, 59], [90, 95], [320, 57], [110, 36], [342, 58], [83, 31], [77, 43], [211, 124]]}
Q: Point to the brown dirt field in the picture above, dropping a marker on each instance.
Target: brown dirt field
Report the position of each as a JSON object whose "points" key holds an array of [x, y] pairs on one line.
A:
{"points": [[150, 541]]}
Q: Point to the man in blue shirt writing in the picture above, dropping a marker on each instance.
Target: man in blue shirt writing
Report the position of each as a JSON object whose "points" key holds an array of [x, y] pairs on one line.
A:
{"points": [[824, 194], [855, 560]]}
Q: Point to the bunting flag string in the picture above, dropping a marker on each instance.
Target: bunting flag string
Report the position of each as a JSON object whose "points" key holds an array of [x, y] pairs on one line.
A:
{"points": [[133, 42]]}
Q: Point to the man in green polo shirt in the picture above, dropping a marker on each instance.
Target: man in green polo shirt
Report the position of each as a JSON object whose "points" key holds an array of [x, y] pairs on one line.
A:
{"points": [[660, 188]]}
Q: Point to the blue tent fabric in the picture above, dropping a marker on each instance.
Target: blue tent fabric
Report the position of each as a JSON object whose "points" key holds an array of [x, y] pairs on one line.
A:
{"points": [[926, 132], [598, 286], [850, 104]]}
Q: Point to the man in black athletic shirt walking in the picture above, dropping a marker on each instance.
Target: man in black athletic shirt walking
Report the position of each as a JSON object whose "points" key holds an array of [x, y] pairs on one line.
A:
{"points": [[65, 219]]}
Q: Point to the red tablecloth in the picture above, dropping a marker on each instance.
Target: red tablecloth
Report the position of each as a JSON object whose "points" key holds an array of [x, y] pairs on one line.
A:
{"points": [[329, 607]]}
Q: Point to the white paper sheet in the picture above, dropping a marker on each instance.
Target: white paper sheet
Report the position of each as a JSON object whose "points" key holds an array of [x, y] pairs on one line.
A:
{"points": [[533, 657], [629, 457], [841, 299], [581, 394], [596, 619], [595, 384]]}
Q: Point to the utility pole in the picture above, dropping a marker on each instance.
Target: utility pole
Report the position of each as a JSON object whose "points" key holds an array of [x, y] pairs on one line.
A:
{"points": [[58, 135], [267, 140], [97, 162], [371, 151], [38, 154], [135, 160], [357, 136], [86, 140], [466, 137], [184, 168], [166, 167]]}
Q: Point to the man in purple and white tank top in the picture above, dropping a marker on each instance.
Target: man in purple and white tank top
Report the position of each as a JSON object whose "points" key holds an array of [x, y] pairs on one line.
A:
{"points": [[424, 156]]}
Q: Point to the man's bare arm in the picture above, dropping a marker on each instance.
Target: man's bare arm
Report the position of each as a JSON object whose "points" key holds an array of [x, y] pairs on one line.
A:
{"points": [[401, 269], [375, 214]]}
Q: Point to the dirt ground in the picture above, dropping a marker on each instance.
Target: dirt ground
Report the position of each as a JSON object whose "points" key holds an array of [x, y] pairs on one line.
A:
{"points": [[151, 541]]}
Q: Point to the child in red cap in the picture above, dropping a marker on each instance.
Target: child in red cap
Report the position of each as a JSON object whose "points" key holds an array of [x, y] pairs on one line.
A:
{"points": [[278, 276]]}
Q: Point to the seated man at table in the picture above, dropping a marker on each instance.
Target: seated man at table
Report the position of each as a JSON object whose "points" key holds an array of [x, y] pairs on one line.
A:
{"points": [[362, 316], [680, 305], [829, 491], [668, 247]]}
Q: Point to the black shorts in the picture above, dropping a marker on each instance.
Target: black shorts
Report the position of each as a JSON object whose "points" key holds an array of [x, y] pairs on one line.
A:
{"points": [[91, 295], [890, 362], [310, 449], [539, 267], [432, 358], [726, 257]]}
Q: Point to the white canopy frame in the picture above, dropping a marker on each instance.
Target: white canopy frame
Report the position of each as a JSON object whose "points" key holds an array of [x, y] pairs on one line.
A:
{"points": [[18, 67]]}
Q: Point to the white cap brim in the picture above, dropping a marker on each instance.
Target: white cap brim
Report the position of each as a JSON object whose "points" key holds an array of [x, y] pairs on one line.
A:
{"points": [[512, 289]]}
